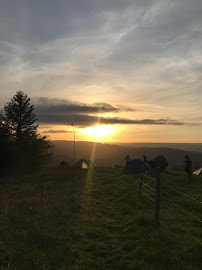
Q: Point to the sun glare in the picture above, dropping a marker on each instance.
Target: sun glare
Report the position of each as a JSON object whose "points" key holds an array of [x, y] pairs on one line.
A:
{"points": [[98, 131]]}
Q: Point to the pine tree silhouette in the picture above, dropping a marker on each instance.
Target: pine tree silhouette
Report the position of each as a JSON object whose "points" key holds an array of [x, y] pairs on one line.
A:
{"points": [[21, 144], [20, 117]]}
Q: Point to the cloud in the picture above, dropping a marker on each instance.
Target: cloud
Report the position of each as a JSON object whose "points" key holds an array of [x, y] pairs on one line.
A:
{"points": [[49, 20], [165, 47], [57, 131], [89, 120], [62, 106], [64, 112], [140, 122], [149, 49]]}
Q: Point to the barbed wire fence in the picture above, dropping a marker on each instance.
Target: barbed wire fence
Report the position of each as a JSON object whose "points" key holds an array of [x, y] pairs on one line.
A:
{"points": [[157, 195]]}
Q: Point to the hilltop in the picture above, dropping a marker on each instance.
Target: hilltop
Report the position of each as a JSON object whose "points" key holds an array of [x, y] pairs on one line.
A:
{"points": [[78, 219], [194, 147], [108, 155]]}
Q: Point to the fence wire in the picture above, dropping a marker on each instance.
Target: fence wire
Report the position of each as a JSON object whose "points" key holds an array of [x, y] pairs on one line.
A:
{"points": [[172, 202], [149, 177], [192, 198], [148, 196], [147, 185], [181, 208]]}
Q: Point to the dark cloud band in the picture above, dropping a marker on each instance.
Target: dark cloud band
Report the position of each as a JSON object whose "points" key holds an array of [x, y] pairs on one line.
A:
{"points": [[87, 120], [65, 112], [47, 105], [58, 131]]}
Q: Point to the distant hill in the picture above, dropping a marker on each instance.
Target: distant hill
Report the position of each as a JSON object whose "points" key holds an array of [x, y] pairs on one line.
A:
{"points": [[196, 147], [107, 155]]}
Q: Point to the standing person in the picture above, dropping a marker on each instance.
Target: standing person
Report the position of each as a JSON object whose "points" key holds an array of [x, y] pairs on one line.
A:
{"points": [[144, 158], [127, 159]]}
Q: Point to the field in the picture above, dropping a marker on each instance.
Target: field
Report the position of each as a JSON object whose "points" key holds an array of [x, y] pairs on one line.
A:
{"points": [[67, 219]]}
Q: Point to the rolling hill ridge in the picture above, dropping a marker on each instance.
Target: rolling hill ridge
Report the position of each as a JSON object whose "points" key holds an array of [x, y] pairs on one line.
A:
{"points": [[107, 155]]}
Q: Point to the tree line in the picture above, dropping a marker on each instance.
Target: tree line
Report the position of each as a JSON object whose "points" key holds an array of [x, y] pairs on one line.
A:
{"points": [[21, 145]]}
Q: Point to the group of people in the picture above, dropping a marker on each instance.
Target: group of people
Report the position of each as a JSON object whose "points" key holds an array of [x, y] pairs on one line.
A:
{"points": [[187, 161], [151, 163]]}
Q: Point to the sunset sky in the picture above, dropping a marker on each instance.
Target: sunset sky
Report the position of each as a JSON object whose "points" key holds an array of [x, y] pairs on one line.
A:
{"points": [[134, 66]]}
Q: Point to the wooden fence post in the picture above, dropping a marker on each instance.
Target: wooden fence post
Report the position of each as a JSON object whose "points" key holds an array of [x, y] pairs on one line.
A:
{"points": [[140, 186], [157, 208]]}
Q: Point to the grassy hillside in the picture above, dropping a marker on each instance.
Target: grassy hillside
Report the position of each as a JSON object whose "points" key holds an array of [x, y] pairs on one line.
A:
{"points": [[108, 155], [94, 220]]}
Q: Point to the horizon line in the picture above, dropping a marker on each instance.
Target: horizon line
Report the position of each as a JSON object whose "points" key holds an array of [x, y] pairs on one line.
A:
{"points": [[133, 142]]}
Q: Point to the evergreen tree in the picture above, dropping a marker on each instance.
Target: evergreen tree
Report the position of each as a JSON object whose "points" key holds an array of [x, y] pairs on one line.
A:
{"points": [[20, 118], [19, 128], [7, 146], [4, 131]]}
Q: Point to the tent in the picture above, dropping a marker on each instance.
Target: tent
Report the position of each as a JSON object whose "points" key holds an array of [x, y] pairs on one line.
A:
{"points": [[84, 164], [135, 166], [161, 162], [198, 172]]}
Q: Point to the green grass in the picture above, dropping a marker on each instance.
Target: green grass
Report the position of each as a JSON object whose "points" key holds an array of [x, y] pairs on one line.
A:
{"points": [[94, 220]]}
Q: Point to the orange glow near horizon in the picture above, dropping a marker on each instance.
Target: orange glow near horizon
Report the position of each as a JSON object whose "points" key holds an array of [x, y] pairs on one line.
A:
{"points": [[98, 131], [124, 134]]}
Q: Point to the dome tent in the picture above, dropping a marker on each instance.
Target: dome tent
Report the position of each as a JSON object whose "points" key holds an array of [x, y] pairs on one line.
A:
{"points": [[84, 164], [135, 166], [161, 162]]}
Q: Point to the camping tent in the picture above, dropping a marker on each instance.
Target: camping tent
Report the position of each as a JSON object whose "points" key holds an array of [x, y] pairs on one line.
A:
{"points": [[135, 166], [198, 172], [84, 164], [161, 162]]}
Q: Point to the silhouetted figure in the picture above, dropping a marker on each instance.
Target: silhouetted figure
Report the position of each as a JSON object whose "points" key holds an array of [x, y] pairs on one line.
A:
{"points": [[161, 162], [144, 158], [150, 163], [127, 159], [158, 162]]}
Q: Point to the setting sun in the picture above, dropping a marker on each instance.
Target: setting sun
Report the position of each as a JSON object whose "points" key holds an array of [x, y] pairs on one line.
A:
{"points": [[98, 131]]}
